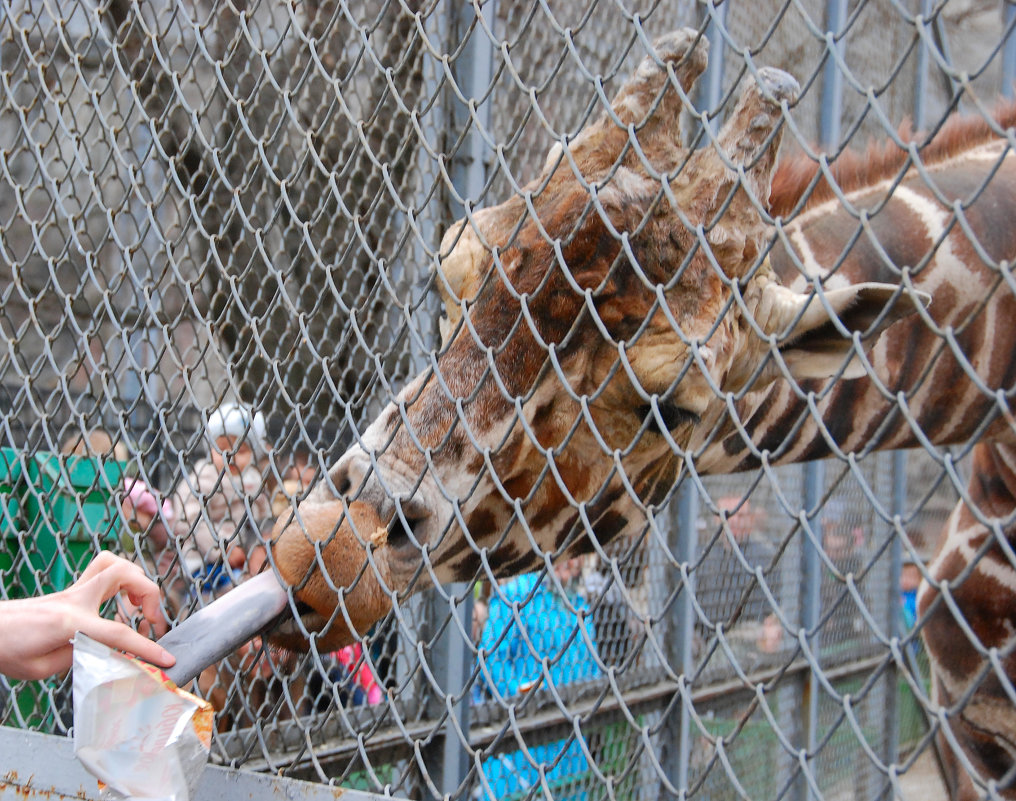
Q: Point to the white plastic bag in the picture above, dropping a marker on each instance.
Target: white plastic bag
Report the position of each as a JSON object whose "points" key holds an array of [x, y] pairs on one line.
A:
{"points": [[137, 732]]}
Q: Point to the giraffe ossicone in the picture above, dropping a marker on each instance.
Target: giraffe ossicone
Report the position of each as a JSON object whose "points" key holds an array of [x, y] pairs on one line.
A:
{"points": [[593, 320]]}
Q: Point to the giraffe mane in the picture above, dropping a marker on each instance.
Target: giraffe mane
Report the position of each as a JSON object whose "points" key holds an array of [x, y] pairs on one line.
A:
{"points": [[854, 169]]}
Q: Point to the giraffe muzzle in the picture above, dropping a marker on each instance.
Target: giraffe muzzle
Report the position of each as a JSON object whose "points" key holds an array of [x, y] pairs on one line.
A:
{"points": [[335, 559]]}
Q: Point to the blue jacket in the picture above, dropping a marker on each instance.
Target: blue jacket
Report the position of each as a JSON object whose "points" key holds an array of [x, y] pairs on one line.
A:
{"points": [[549, 630]]}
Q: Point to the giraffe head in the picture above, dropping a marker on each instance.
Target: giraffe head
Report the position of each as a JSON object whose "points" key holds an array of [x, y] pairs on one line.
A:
{"points": [[594, 323]]}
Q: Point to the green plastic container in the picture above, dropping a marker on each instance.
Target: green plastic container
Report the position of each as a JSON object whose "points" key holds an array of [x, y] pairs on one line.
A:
{"points": [[11, 488], [56, 513]]}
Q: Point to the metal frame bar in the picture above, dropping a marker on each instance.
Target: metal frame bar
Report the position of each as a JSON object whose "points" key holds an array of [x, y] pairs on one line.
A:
{"points": [[831, 117], [34, 765], [1009, 52], [677, 749]]}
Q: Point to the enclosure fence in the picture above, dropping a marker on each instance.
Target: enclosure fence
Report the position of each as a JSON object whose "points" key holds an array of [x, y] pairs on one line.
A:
{"points": [[205, 202]]}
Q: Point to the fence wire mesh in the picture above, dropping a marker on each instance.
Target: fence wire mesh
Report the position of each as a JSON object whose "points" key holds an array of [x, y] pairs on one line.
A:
{"points": [[213, 202]]}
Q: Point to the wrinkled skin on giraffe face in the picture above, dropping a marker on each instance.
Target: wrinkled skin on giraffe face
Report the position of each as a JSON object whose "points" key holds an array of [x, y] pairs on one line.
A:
{"points": [[593, 327]]}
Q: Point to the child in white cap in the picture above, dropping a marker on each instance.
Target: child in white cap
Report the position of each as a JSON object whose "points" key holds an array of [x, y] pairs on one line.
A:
{"points": [[219, 514], [224, 511]]}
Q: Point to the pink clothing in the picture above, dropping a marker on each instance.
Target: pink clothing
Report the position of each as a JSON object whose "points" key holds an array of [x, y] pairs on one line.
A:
{"points": [[209, 506], [145, 501], [363, 677]]}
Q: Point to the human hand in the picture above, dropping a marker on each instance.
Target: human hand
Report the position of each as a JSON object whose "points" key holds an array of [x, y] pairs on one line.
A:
{"points": [[256, 558], [35, 633], [136, 518], [141, 509], [235, 557]]}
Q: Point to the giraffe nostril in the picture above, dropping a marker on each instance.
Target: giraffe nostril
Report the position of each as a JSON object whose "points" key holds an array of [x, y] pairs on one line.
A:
{"points": [[405, 525], [341, 480], [399, 530]]}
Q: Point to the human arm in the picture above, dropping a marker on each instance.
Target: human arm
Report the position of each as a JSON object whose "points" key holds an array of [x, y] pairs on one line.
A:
{"points": [[35, 633]]}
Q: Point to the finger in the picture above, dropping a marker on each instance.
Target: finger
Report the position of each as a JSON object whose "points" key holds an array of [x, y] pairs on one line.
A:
{"points": [[126, 610], [117, 635], [116, 576], [152, 620], [131, 615], [102, 560], [150, 604], [119, 575]]}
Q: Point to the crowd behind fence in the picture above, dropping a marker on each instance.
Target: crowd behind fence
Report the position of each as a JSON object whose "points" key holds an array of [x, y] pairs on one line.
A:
{"points": [[203, 202]]}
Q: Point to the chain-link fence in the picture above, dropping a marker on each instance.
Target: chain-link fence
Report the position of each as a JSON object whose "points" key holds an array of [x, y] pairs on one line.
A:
{"points": [[208, 202]]}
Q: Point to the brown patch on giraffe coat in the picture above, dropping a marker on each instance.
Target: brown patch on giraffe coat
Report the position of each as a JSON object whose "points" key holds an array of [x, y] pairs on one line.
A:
{"points": [[907, 351]]}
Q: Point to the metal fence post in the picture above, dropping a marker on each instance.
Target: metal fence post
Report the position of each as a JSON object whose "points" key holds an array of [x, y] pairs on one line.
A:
{"points": [[814, 472], [1009, 50], [899, 509], [452, 656], [811, 611], [451, 661], [684, 547], [832, 79], [921, 77], [473, 71], [711, 84]]}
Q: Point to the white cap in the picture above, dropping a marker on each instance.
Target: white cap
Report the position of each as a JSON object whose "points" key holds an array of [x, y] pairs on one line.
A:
{"points": [[240, 423]]}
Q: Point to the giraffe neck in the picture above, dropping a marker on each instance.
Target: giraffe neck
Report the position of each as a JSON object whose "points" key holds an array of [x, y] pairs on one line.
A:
{"points": [[937, 376]]}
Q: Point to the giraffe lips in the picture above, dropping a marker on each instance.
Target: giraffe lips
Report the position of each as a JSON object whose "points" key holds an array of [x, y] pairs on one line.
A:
{"points": [[337, 564]]}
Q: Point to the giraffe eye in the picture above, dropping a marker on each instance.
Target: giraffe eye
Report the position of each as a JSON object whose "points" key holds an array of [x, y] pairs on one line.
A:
{"points": [[672, 415]]}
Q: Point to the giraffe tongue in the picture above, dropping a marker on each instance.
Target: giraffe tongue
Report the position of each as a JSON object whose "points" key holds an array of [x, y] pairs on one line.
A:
{"points": [[214, 632]]}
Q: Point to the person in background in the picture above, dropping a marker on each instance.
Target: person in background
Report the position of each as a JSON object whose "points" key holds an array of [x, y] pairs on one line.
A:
{"points": [[353, 674], [729, 593], [96, 442], [549, 622], [548, 628], [910, 581], [212, 534], [220, 514], [226, 504], [36, 633], [299, 470]]}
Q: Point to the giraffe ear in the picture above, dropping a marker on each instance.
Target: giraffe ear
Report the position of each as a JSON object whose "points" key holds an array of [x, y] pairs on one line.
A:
{"points": [[813, 331], [458, 273]]}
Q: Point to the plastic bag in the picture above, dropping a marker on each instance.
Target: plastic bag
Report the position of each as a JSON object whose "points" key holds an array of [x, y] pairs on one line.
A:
{"points": [[134, 729]]}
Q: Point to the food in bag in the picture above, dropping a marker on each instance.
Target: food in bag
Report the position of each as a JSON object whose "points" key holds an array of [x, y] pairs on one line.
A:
{"points": [[142, 736]]}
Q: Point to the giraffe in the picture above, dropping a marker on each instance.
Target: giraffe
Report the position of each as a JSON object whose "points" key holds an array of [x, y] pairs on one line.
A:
{"points": [[595, 320], [942, 377], [619, 317]]}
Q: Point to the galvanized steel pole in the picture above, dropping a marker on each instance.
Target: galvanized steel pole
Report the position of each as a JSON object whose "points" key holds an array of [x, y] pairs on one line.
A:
{"points": [[453, 658], [811, 611], [832, 79], [1009, 50]]}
